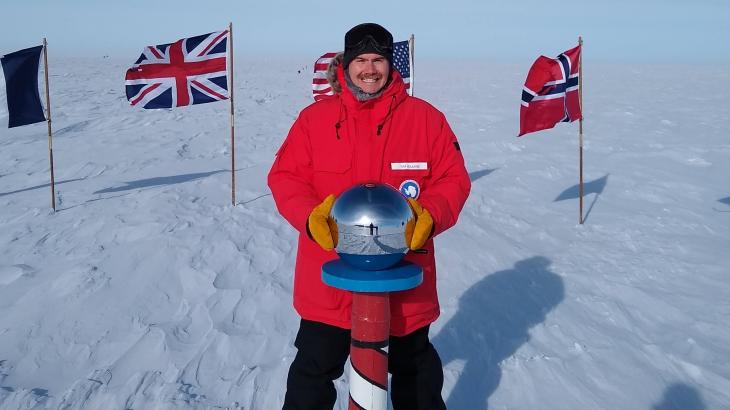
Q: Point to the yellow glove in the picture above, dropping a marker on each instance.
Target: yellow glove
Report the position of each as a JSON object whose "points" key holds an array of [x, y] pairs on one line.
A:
{"points": [[321, 227], [418, 232]]}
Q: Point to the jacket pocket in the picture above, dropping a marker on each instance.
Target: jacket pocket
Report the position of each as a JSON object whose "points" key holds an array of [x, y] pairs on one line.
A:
{"points": [[410, 182], [332, 171]]}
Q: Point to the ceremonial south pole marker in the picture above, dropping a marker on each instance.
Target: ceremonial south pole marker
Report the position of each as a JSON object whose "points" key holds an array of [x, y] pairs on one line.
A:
{"points": [[371, 220], [370, 325]]}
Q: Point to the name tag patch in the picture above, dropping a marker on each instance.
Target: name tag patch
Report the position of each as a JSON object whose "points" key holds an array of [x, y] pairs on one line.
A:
{"points": [[404, 166]]}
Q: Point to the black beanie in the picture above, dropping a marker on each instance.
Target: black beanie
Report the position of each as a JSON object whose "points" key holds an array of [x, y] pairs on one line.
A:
{"points": [[367, 38]]}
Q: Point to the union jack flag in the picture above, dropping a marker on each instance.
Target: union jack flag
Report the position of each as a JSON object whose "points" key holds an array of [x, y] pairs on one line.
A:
{"points": [[551, 93], [321, 88], [189, 71]]}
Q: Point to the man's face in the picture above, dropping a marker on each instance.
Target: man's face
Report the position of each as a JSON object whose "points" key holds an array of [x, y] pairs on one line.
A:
{"points": [[369, 72]]}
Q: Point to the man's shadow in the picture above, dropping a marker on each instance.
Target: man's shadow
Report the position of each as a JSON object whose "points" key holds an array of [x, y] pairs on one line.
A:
{"points": [[493, 321], [680, 396]]}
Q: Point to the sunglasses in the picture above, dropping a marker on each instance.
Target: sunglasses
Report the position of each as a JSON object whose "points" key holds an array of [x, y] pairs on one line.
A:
{"points": [[370, 41]]}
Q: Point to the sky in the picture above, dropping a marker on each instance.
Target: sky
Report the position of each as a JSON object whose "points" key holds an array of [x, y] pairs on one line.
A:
{"points": [[653, 31]]}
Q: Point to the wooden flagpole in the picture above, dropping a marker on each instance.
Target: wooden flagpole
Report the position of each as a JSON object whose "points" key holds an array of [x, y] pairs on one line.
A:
{"points": [[48, 121], [233, 128], [412, 53], [580, 124]]}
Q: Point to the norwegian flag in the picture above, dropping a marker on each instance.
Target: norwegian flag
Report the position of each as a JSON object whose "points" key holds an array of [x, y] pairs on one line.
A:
{"points": [[551, 93], [189, 71], [321, 88]]}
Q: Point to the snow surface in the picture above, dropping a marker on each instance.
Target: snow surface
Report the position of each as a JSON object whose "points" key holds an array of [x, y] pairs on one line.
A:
{"points": [[148, 290]]}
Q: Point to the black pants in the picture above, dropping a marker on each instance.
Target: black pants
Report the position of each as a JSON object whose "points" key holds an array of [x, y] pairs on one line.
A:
{"points": [[417, 374]]}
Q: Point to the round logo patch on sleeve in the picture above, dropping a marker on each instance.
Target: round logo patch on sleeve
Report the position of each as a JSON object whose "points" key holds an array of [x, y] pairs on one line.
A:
{"points": [[410, 188]]}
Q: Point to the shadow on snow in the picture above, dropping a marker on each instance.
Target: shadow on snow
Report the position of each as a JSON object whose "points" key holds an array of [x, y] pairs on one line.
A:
{"points": [[158, 181], [593, 187], [40, 186], [473, 176], [680, 396], [493, 321]]}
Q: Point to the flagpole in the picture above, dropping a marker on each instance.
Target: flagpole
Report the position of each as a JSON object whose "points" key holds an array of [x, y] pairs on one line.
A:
{"points": [[411, 52], [233, 129], [580, 124], [48, 121]]}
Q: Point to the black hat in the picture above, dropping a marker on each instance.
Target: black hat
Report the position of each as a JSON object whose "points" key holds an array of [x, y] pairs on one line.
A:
{"points": [[367, 38]]}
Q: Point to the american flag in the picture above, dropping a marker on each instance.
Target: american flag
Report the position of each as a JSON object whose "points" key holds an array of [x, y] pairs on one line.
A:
{"points": [[189, 71], [322, 89], [551, 94], [402, 61], [320, 86]]}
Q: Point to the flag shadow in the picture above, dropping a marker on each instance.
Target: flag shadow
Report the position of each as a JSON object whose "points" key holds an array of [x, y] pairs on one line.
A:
{"points": [[40, 186], [473, 176], [493, 321], [680, 396], [159, 181], [593, 187]]}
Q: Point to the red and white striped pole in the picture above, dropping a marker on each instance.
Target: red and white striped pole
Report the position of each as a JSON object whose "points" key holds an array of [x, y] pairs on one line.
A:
{"points": [[370, 277], [369, 351]]}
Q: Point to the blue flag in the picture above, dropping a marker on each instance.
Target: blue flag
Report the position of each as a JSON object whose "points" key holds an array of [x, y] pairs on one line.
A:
{"points": [[21, 85]]}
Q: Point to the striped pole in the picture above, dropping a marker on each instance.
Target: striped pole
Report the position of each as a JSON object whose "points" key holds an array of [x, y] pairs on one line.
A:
{"points": [[233, 119], [369, 351], [48, 120], [580, 126]]}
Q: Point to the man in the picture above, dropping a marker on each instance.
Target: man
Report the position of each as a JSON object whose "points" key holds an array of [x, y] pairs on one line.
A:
{"points": [[370, 131]]}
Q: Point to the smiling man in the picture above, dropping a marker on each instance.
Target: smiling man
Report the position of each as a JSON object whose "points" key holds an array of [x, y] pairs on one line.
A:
{"points": [[371, 130], [367, 58]]}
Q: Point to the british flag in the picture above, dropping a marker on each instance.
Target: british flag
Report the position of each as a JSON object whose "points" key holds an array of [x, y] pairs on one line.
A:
{"points": [[551, 93], [189, 71], [321, 87]]}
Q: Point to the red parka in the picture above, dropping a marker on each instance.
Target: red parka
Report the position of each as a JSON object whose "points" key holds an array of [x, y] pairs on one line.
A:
{"points": [[338, 142]]}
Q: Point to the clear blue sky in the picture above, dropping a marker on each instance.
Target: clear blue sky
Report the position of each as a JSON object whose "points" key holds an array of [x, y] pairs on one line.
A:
{"points": [[514, 31]]}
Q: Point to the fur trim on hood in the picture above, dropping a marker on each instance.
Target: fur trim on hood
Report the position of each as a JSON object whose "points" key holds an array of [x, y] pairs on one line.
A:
{"points": [[332, 73]]}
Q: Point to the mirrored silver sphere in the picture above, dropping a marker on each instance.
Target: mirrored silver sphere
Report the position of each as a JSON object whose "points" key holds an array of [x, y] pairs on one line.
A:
{"points": [[371, 223]]}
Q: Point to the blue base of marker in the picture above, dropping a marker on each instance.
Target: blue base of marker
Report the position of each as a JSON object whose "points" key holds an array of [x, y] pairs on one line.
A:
{"points": [[403, 276]]}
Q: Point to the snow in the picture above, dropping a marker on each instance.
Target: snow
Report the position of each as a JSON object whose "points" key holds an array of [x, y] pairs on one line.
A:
{"points": [[147, 289]]}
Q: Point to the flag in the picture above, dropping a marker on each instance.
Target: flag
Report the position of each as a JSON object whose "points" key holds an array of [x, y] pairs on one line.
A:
{"points": [[189, 71], [21, 86], [321, 87], [551, 93], [402, 61]]}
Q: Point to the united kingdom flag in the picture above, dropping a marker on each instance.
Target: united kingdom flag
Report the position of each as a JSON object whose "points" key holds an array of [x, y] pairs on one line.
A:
{"points": [[551, 93], [189, 71]]}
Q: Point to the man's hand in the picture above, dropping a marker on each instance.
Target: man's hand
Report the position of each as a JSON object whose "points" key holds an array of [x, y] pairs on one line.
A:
{"points": [[321, 227], [418, 233]]}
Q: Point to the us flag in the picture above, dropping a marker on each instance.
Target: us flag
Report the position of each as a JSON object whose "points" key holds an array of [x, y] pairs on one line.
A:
{"points": [[322, 89], [189, 71], [402, 61], [551, 94]]}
